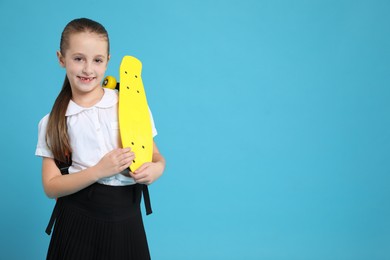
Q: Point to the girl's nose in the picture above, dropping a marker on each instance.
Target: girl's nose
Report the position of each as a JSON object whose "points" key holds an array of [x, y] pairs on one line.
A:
{"points": [[87, 69]]}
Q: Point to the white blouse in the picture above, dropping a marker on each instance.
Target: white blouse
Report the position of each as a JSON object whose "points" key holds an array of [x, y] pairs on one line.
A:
{"points": [[93, 132]]}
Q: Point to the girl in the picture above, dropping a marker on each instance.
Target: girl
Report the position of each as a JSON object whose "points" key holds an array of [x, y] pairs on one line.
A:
{"points": [[97, 214]]}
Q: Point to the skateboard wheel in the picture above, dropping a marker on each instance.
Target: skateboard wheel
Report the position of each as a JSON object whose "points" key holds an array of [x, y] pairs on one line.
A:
{"points": [[109, 82]]}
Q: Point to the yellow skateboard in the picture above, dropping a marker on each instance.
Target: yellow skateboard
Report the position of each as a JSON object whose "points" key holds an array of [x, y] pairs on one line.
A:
{"points": [[134, 119]]}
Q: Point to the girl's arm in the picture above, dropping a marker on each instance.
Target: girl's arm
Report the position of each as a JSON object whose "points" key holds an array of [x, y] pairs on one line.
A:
{"points": [[57, 185], [149, 172]]}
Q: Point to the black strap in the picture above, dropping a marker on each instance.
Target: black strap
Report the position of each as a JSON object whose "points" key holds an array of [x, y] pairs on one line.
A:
{"points": [[64, 168], [53, 217], [148, 206]]}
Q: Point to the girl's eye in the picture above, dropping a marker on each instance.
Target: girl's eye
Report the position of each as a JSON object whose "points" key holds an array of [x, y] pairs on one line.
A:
{"points": [[78, 59], [98, 60]]}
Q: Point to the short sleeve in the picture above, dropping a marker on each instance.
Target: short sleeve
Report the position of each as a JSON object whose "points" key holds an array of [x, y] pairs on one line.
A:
{"points": [[154, 130], [42, 149]]}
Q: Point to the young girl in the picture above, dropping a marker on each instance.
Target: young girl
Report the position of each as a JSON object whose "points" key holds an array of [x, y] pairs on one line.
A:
{"points": [[97, 214]]}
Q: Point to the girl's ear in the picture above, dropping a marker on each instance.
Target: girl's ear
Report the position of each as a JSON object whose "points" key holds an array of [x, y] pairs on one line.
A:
{"points": [[61, 59]]}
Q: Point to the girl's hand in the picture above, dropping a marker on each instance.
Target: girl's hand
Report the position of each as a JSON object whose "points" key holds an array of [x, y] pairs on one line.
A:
{"points": [[115, 162], [147, 173]]}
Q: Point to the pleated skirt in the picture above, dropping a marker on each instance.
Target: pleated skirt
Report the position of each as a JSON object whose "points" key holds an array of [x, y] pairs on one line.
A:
{"points": [[100, 222]]}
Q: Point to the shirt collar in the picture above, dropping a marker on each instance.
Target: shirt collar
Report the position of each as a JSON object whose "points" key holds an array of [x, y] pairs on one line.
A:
{"points": [[109, 99]]}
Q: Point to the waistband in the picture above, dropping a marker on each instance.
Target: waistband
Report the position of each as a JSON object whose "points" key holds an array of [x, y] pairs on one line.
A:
{"points": [[113, 196]]}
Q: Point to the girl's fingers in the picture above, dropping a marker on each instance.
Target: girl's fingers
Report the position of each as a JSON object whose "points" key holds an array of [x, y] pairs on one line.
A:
{"points": [[128, 156], [142, 178], [125, 154], [142, 167]]}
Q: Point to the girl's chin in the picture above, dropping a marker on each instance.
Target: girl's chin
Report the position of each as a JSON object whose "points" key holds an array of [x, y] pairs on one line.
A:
{"points": [[86, 88]]}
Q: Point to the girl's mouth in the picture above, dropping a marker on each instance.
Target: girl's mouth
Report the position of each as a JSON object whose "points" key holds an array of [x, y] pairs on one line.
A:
{"points": [[86, 79]]}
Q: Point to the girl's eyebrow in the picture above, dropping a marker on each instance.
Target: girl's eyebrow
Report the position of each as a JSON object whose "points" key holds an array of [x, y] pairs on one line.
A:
{"points": [[77, 54], [81, 54]]}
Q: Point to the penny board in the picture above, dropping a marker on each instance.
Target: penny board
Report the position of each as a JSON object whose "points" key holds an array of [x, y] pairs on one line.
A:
{"points": [[134, 118]]}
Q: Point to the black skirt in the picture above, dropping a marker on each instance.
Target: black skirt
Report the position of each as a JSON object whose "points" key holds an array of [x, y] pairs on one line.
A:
{"points": [[99, 222]]}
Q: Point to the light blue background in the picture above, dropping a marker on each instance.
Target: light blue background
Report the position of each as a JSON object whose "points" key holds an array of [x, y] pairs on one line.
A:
{"points": [[273, 117]]}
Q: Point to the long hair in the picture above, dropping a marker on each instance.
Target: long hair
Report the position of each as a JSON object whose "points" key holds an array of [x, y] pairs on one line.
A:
{"points": [[57, 137]]}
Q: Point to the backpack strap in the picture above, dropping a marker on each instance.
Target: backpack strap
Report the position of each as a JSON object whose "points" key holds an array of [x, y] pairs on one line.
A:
{"points": [[64, 166], [145, 193]]}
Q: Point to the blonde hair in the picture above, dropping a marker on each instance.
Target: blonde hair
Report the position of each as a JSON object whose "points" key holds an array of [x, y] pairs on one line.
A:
{"points": [[57, 136]]}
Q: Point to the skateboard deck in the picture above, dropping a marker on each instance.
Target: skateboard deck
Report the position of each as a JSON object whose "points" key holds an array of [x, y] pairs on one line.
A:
{"points": [[134, 118]]}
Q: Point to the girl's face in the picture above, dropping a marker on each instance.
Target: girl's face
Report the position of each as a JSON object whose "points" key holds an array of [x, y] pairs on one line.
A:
{"points": [[85, 62]]}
